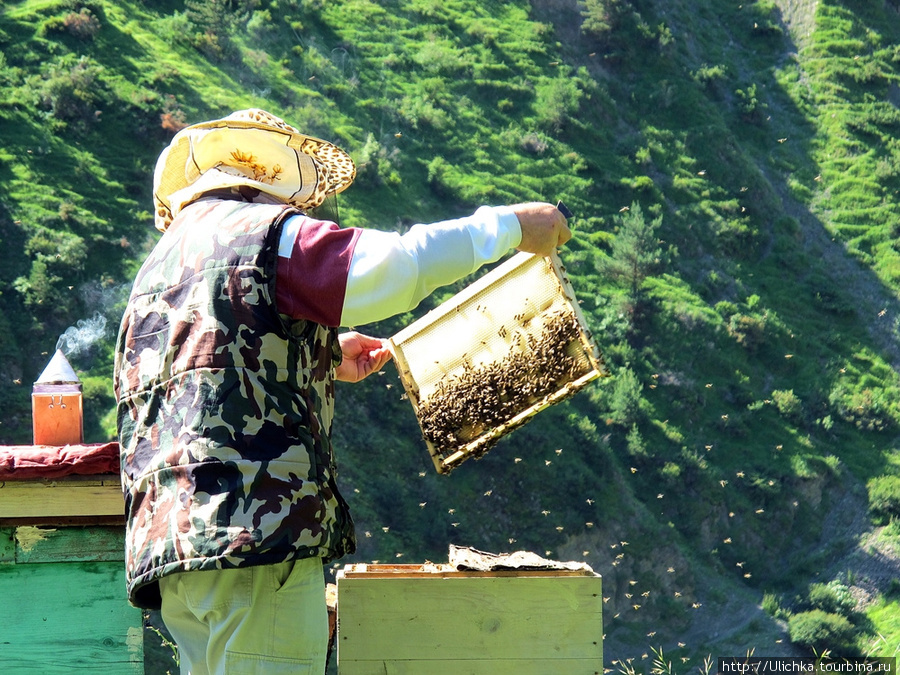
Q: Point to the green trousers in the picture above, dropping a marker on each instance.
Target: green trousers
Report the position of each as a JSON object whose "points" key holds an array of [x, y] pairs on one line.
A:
{"points": [[269, 619]]}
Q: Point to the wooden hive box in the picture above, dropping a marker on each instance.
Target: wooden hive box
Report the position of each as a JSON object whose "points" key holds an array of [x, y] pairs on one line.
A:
{"points": [[62, 576], [409, 620]]}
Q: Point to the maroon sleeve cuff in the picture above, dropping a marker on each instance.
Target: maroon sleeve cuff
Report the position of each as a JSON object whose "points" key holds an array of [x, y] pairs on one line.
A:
{"points": [[312, 283]]}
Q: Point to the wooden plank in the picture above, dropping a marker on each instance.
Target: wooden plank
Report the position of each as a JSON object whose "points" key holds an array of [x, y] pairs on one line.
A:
{"points": [[66, 521], [69, 544], [460, 618], [68, 617], [473, 667], [450, 574], [72, 496]]}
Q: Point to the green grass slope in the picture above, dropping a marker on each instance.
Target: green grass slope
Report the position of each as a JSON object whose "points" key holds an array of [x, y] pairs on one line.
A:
{"points": [[734, 171]]}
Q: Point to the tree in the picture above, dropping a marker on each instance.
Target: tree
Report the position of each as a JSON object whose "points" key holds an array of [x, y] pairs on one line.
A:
{"points": [[602, 18], [214, 22], [634, 256]]}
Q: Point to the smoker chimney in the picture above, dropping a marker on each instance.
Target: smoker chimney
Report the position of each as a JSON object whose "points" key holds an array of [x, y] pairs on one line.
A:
{"points": [[56, 404]]}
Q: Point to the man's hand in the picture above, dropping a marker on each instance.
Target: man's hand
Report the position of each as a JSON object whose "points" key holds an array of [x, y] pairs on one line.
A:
{"points": [[363, 355], [543, 226]]}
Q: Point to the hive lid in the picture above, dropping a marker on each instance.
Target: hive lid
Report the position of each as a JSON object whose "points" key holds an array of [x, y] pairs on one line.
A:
{"points": [[58, 371]]}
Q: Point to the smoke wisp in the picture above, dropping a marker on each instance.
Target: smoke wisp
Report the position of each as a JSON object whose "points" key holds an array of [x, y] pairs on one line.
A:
{"points": [[78, 338]]}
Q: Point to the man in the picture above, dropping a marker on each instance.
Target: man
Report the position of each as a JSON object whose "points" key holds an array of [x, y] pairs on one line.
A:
{"points": [[225, 368]]}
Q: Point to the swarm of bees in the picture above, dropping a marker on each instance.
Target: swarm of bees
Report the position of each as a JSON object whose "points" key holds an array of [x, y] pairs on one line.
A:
{"points": [[466, 405]]}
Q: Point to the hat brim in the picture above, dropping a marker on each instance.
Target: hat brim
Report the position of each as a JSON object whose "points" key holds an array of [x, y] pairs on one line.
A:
{"points": [[249, 148]]}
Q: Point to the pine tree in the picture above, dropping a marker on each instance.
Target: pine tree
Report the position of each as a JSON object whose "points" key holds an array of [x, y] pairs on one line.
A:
{"points": [[634, 256]]}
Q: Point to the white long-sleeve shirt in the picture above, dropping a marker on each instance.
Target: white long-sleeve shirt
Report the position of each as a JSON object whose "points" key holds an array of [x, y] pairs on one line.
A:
{"points": [[354, 276]]}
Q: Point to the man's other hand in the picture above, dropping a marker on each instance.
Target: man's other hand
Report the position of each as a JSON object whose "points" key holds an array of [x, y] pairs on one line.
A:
{"points": [[363, 355]]}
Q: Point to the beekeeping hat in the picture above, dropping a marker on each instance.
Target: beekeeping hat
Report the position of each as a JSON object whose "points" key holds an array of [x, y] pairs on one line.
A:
{"points": [[248, 149]]}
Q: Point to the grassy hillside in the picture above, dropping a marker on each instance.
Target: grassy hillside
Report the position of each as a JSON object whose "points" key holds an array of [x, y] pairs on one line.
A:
{"points": [[734, 169]]}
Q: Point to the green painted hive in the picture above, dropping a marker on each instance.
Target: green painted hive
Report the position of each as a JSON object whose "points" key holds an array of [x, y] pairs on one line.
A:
{"points": [[62, 579]]}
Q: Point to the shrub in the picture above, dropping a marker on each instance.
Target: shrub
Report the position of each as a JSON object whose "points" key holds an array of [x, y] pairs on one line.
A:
{"points": [[708, 76], [557, 102], [833, 598], [893, 589], [635, 441], [787, 402], [71, 89], [821, 630], [867, 408], [749, 331], [375, 167], [671, 473], [884, 496], [601, 17], [173, 121], [771, 605], [442, 177], [260, 24], [626, 399], [752, 109], [534, 143], [83, 25]]}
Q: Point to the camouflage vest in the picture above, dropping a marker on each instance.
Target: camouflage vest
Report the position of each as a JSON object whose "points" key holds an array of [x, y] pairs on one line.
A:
{"points": [[224, 407]]}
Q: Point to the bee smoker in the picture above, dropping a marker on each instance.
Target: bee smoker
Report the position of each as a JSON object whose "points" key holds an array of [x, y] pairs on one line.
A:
{"points": [[56, 404]]}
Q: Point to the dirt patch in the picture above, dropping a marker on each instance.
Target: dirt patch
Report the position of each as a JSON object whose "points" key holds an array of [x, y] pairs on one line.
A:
{"points": [[799, 17]]}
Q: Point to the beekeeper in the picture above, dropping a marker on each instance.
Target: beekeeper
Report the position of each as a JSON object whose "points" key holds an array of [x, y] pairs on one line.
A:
{"points": [[225, 366]]}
